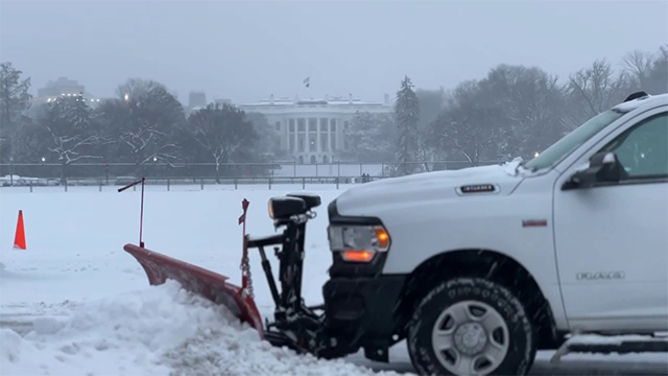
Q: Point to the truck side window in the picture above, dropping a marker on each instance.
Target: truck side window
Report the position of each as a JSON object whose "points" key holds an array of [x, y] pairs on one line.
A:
{"points": [[643, 149]]}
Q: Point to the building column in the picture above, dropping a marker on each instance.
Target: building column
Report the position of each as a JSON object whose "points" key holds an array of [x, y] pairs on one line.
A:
{"points": [[286, 133], [295, 137], [332, 137], [339, 133], [318, 147]]}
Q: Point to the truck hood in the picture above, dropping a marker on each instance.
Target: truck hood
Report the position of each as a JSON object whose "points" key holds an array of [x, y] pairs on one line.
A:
{"points": [[370, 198]]}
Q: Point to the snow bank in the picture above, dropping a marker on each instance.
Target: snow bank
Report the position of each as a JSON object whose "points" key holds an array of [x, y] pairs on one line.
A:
{"points": [[160, 330], [592, 339]]}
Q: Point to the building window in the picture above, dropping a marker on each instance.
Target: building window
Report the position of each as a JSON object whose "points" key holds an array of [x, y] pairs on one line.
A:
{"points": [[313, 159], [313, 134], [301, 125], [324, 141], [278, 126], [325, 159], [313, 142], [301, 159]]}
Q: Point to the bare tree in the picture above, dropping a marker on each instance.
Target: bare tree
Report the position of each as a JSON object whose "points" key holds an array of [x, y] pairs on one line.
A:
{"points": [[638, 65], [370, 137], [470, 126], [593, 90], [222, 132], [532, 103], [431, 104], [142, 123], [658, 75]]}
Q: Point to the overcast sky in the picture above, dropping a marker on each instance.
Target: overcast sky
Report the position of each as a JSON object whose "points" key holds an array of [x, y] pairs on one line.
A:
{"points": [[248, 50]]}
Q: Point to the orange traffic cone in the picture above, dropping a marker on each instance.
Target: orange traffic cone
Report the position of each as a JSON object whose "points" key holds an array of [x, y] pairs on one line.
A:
{"points": [[20, 238]]}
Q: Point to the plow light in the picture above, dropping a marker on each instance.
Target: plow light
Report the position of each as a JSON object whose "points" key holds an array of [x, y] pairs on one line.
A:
{"points": [[285, 207]]}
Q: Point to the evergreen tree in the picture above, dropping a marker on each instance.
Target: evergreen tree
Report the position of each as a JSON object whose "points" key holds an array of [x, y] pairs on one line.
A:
{"points": [[267, 146], [407, 112]]}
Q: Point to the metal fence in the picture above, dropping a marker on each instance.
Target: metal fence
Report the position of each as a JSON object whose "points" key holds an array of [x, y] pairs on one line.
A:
{"points": [[98, 174]]}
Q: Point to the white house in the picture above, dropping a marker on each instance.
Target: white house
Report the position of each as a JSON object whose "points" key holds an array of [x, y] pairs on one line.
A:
{"points": [[311, 130]]}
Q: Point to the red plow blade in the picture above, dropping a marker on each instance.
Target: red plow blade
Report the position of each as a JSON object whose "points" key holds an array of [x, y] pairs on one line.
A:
{"points": [[210, 285]]}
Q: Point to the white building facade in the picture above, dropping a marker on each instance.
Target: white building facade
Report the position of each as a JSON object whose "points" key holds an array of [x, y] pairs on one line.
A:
{"points": [[311, 131]]}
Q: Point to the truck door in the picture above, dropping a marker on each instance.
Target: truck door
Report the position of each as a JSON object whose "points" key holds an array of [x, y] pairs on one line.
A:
{"points": [[612, 240]]}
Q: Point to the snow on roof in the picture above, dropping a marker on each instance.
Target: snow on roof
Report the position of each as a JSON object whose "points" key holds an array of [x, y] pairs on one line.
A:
{"points": [[636, 103], [312, 102]]}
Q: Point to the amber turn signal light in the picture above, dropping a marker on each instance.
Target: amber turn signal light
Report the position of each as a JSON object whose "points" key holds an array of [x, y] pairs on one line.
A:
{"points": [[383, 238]]}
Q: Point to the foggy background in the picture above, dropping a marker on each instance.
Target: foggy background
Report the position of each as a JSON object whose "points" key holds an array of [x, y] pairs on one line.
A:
{"points": [[246, 51], [421, 86]]}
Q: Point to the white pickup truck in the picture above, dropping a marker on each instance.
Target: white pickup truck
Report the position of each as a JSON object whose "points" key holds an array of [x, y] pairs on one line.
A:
{"points": [[477, 269]]}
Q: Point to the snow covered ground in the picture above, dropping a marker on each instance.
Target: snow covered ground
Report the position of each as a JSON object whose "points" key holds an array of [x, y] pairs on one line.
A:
{"points": [[75, 303]]}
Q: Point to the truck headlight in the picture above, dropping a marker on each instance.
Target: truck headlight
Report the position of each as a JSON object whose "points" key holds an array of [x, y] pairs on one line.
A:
{"points": [[358, 243]]}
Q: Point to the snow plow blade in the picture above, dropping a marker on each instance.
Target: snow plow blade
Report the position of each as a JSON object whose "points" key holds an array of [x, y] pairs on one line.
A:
{"points": [[206, 283]]}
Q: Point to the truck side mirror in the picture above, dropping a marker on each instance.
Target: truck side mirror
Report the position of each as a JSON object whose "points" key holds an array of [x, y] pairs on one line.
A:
{"points": [[603, 168]]}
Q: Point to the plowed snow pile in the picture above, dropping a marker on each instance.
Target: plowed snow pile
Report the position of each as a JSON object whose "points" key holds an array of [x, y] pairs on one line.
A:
{"points": [[161, 330]]}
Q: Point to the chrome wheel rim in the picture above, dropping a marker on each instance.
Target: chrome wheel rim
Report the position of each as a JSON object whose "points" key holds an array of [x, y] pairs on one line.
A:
{"points": [[470, 338]]}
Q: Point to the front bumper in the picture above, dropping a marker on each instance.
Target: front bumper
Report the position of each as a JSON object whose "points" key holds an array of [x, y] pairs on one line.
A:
{"points": [[361, 312]]}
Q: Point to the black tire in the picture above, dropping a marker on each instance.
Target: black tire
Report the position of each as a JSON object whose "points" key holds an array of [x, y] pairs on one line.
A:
{"points": [[521, 345]]}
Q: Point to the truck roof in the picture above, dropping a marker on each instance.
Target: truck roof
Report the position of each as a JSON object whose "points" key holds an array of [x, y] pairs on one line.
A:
{"points": [[640, 99]]}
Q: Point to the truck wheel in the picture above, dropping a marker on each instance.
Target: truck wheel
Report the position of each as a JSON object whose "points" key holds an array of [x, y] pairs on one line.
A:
{"points": [[470, 326]]}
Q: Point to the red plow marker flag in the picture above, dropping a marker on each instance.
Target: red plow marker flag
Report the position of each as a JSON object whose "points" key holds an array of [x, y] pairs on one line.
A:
{"points": [[244, 205], [246, 282]]}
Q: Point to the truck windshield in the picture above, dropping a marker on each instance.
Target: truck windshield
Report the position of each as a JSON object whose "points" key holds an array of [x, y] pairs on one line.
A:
{"points": [[572, 140]]}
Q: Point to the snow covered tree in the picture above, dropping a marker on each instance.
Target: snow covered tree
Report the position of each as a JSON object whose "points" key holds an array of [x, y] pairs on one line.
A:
{"points": [[371, 138], [222, 133], [14, 102], [407, 110], [140, 125], [69, 132]]}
